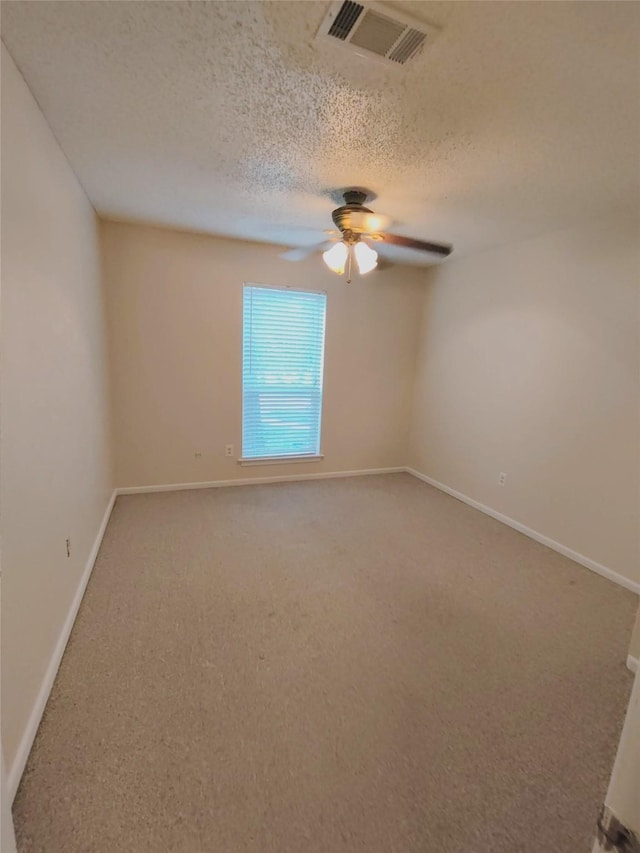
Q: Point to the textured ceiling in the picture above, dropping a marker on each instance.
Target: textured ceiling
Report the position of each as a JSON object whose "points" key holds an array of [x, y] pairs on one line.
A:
{"points": [[227, 117]]}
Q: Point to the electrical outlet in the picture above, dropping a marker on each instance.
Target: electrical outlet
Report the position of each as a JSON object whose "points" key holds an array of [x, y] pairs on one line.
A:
{"points": [[502, 479], [68, 544], [228, 450]]}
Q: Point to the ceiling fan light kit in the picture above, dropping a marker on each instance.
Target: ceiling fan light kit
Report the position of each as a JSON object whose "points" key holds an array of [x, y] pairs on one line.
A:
{"points": [[340, 256], [366, 257], [357, 224], [336, 257]]}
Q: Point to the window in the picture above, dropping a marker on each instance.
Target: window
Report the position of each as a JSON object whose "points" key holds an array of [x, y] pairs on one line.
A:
{"points": [[282, 359]]}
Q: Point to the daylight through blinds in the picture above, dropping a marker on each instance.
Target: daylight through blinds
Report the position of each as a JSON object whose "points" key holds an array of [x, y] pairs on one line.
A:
{"points": [[283, 347]]}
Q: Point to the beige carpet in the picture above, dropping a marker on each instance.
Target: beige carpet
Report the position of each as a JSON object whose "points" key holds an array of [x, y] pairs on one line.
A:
{"points": [[361, 664]]}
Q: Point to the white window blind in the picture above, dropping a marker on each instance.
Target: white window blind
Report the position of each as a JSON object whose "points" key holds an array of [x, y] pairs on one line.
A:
{"points": [[282, 361]]}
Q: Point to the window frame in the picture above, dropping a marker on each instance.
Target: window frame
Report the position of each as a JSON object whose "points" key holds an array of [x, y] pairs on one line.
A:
{"points": [[289, 458]]}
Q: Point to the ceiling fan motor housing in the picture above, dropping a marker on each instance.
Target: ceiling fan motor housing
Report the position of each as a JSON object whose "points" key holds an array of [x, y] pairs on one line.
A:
{"points": [[354, 203]]}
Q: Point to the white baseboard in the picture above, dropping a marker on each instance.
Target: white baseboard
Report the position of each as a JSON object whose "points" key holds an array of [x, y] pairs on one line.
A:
{"points": [[587, 562], [254, 481], [633, 663], [26, 742]]}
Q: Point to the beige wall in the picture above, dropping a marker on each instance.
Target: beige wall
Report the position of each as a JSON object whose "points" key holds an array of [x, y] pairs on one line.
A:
{"points": [[56, 468], [529, 365], [175, 305]]}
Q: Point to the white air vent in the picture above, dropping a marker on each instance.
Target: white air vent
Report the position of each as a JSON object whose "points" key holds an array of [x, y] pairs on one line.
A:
{"points": [[372, 30]]}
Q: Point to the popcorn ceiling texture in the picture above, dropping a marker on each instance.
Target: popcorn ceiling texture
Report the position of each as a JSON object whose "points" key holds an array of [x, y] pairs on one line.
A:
{"points": [[228, 117]]}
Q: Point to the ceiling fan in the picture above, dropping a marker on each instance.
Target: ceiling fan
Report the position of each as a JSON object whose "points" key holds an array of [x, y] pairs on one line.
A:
{"points": [[358, 226]]}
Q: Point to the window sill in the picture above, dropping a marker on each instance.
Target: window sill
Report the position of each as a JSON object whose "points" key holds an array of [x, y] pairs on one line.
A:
{"points": [[282, 460]]}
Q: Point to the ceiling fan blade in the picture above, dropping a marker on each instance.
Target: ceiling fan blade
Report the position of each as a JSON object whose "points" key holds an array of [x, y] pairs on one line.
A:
{"points": [[409, 243], [303, 252]]}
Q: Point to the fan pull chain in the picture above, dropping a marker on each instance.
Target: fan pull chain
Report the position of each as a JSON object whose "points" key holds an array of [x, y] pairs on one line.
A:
{"points": [[349, 256]]}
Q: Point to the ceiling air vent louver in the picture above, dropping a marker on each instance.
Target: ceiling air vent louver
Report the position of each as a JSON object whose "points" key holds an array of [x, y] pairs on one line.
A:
{"points": [[345, 19], [372, 30]]}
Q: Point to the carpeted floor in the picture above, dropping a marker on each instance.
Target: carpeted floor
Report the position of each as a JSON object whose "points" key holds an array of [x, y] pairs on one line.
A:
{"points": [[357, 664]]}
